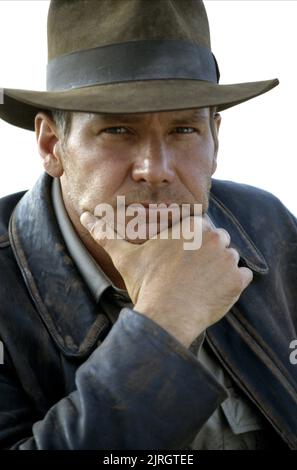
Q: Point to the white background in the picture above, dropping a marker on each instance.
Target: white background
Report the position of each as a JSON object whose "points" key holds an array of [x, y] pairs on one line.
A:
{"points": [[252, 40]]}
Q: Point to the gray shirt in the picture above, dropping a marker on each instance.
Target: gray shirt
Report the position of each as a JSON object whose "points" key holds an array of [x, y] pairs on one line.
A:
{"points": [[236, 423]]}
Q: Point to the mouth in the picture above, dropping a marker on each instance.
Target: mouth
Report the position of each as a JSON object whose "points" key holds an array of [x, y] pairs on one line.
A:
{"points": [[156, 214], [151, 205]]}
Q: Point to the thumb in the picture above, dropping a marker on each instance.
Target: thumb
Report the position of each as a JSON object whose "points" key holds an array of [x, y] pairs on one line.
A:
{"points": [[88, 220]]}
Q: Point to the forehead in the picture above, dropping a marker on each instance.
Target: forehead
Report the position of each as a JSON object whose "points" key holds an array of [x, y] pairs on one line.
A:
{"points": [[172, 116]]}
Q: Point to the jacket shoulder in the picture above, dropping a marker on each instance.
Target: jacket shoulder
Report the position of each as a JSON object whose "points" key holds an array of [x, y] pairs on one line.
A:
{"points": [[262, 216], [247, 201]]}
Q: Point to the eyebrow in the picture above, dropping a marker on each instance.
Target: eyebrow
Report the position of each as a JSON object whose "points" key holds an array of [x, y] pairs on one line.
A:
{"points": [[194, 116]]}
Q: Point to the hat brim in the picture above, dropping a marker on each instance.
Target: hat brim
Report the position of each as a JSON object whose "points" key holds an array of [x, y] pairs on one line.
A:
{"points": [[21, 106]]}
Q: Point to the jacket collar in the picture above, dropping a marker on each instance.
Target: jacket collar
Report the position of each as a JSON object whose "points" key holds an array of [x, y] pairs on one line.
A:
{"points": [[57, 289], [250, 255]]}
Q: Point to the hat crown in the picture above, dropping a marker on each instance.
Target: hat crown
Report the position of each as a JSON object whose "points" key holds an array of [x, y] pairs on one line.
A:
{"points": [[75, 25], [128, 56]]}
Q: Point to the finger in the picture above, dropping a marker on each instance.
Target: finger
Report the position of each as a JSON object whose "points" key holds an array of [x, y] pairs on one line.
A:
{"points": [[235, 254], [104, 235], [208, 221], [224, 235], [246, 276], [189, 224]]}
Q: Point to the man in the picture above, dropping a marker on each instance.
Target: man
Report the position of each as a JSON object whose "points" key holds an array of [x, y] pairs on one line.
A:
{"points": [[115, 343]]}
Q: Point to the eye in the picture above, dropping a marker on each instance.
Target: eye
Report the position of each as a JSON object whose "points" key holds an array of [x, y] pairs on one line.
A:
{"points": [[116, 130], [185, 130]]}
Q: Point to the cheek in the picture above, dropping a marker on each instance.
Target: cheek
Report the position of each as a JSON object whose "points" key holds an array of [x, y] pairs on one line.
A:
{"points": [[93, 179], [196, 164]]}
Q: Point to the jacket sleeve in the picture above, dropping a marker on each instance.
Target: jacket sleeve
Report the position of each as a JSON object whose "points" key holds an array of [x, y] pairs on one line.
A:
{"points": [[140, 389]]}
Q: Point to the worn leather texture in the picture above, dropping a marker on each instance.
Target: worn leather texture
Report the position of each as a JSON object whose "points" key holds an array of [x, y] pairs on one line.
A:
{"points": [[71, 380]]}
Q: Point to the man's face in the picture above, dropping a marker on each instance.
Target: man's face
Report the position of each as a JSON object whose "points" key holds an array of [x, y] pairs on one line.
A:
{"points": [[151, 157]]}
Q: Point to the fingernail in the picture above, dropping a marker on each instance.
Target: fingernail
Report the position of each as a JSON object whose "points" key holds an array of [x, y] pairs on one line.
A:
{"points": [[86, 219]]}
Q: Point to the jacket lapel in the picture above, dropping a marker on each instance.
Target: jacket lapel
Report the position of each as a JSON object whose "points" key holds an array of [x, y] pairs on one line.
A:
{"points": [[252, 340], [60, 295], [261, 376]]}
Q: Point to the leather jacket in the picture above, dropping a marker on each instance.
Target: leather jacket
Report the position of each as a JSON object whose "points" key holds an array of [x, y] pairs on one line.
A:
{"points": [[71, 380]]}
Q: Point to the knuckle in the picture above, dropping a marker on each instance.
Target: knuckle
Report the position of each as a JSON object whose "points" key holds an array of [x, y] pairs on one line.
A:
{"points": [[224, 236], [207, 223], [232, 255], [247, 274], [219, 236], [239, 282], [213, 236]]}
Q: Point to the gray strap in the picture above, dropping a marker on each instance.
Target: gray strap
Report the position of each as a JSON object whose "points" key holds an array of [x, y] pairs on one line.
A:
{"points": [[130, 61]]}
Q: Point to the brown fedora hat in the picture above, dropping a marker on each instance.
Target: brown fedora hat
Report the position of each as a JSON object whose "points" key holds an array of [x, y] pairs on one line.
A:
{"points": [[128, 56]]}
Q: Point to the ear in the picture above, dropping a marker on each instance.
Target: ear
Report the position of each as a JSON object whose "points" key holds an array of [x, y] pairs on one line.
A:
{"points": [[49, 144], [217, 122]]}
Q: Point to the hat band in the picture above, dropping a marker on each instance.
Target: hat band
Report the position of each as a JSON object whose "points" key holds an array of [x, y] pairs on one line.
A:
{"points": [[131, 61]]}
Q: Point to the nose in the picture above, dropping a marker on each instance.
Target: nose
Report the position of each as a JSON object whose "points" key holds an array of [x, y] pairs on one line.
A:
{"points": [[154, 164]]}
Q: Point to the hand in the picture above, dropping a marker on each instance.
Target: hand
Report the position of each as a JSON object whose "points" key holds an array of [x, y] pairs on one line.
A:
{"points": [[183, 291]]}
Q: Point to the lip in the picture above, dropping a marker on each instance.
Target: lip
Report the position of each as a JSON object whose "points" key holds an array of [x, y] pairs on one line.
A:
{"points": [[148, 205]]}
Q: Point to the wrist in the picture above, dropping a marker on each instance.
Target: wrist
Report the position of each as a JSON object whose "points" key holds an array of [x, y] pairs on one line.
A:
{"points": [[172, 323]]}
